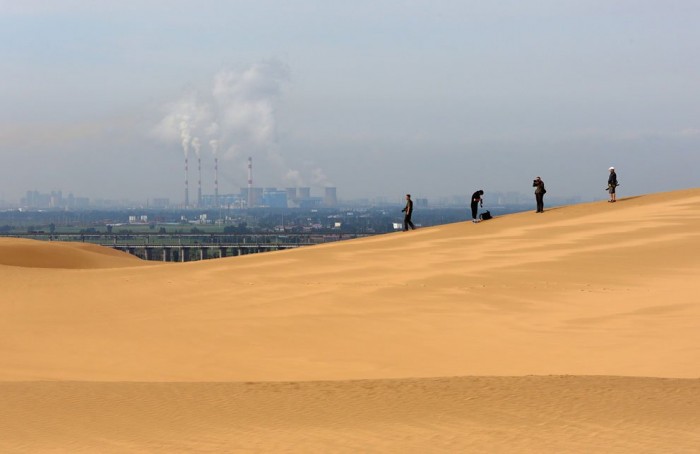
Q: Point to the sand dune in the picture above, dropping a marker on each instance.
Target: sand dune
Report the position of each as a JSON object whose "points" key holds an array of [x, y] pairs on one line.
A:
{"points": [[56, 254], [470, 414], [591, 291]]}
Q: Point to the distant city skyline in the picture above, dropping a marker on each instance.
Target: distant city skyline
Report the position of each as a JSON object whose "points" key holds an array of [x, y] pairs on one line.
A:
{"points": [[376, 98], [299, 197]]}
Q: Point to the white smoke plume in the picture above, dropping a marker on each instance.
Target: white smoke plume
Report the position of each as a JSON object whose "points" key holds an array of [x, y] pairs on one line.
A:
{"points": [[182, 119], [214, 146], [238, 116], [185, 134], [213, 130], [245, 102], [294, 176], [197, 146], [319, 178]]}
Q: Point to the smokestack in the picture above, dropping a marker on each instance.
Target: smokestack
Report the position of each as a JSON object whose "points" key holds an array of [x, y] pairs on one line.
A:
{"points": [[214, 144], [185, 136], [197, 146], [250, 182]]}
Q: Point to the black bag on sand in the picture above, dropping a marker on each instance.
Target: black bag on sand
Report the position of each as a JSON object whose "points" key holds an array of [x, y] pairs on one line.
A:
{"points": [[485, 216]]}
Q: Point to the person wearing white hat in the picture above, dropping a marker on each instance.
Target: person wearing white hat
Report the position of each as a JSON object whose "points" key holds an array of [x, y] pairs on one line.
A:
{"points": [[612, 184]]}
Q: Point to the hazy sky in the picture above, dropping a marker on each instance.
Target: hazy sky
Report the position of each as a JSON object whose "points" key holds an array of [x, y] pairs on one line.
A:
{"points": [[380, 97]]}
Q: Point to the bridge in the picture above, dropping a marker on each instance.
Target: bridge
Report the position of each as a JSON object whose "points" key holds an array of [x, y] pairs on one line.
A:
{"points": [[182, 253], [191, 247]]}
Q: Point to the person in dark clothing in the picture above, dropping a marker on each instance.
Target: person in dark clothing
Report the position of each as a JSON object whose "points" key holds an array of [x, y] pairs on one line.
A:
{"points": [[540, 191], [476, 201], [612, 184], [408, 210]]}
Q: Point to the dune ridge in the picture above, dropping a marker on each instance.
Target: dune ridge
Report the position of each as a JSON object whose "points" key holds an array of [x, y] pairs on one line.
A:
{"points": [[57, 254], [528, 332]]}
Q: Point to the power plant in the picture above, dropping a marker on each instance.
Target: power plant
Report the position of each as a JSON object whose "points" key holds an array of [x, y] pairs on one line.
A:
{"points": [[214, 144], [250, 196]]}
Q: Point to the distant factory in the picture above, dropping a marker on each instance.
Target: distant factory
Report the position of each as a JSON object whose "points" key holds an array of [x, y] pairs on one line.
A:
{"points": [[270, 197], [256, 197]]}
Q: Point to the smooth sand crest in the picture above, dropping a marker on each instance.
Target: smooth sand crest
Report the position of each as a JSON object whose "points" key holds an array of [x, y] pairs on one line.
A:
{"points": [[55, 254], [591, 290]]}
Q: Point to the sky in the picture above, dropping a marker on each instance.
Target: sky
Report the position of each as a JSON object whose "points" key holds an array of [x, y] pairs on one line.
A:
{"points": [[378, 98]]}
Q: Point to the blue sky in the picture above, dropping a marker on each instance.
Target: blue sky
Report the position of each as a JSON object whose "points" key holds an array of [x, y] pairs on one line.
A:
{"points": [[378, 98]]}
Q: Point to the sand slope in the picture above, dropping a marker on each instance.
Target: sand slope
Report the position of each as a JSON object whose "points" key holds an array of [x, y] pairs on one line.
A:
{"points": [[56, 254], [589, 290], [481, 414]]}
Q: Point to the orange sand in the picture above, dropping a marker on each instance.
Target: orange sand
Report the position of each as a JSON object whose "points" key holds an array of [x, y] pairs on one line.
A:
{"points": [[543, 326]]}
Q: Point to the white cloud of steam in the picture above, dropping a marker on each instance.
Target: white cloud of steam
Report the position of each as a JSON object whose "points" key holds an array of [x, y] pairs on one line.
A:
{"points": [[214, 146], [197, 146], [213, 130], [185, 134], [182, 119], [319, 178], [245, 103], [294, 176], [238, 115]]}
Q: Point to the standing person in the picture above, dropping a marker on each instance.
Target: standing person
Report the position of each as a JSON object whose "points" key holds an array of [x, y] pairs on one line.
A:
{"points": [[540, 191], [476, 201], [612, 184], [408, 209]]}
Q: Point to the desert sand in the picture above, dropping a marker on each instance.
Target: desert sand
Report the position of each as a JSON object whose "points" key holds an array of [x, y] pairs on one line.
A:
{"points": [[576, 330]]}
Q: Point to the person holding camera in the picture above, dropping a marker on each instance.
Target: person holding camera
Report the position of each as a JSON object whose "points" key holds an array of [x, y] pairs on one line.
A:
{"points": [[540, 191], [476, 201]]}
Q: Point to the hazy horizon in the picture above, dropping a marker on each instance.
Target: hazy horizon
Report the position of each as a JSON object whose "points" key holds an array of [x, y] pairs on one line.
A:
{"points": [[375, 98]]}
